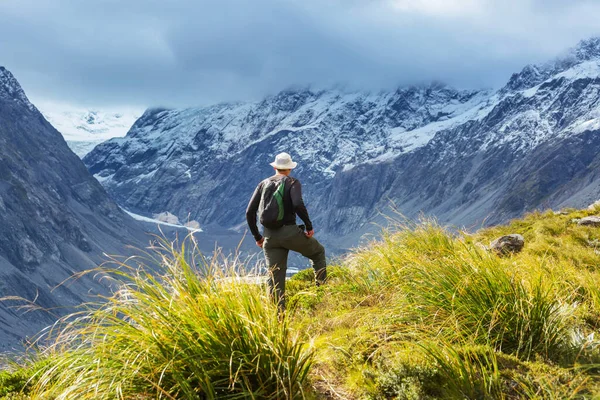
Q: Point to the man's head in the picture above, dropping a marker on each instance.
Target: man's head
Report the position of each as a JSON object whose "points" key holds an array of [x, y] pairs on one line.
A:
{"points": [[285, 172], [283, 164]]}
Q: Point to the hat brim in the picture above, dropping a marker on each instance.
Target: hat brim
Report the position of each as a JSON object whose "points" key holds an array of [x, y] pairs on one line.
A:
{"points": [[291, 165]]}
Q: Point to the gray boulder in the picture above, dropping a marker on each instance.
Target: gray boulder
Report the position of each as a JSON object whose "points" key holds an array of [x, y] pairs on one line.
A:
{"points": [[594, 220], [508, 244]]}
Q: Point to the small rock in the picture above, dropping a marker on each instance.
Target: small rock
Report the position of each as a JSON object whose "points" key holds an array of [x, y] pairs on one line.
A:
{"points": [[167, 217], [29, 252], [192, 224], [508, 244], [561, 213], [594, 220], [594, 205]]}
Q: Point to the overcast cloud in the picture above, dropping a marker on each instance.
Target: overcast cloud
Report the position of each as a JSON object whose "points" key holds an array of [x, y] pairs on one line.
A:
{"points": [[190, 52]]}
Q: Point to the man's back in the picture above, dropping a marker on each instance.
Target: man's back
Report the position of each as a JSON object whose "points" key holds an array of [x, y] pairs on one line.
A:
{"points": [[293, 204], [279, 239]]}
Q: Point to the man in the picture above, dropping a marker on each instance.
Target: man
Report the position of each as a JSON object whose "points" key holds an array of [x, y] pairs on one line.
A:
{"points": [[284, 235]]}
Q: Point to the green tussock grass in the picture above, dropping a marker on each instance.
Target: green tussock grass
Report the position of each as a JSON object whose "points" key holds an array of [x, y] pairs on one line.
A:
{"points": [[421, 313], [427, 313], [185, 329]]}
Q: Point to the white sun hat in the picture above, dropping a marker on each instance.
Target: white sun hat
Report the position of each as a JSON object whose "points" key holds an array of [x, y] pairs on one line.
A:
{"points": [[283, 161]]}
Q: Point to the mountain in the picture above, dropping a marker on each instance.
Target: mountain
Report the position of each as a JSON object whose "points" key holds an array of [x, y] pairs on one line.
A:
{"points": [[84, 128], [55, 219], [467, 157], [537, 147], [192, 162]]}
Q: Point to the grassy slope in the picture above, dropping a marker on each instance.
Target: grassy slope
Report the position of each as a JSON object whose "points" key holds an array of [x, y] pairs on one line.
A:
{"points": [[425, 314], [419, 314]]}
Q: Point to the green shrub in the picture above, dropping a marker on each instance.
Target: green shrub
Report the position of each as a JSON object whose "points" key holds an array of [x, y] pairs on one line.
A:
{"points": [[16, 381], [13, 382]]}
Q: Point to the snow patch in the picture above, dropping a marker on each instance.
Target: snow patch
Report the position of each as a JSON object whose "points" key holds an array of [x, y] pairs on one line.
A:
{"points": [[155, 221], [103, 179], [589, 125]]}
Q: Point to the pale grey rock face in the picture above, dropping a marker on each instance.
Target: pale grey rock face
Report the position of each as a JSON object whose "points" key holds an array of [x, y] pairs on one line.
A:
{"points": [[470, 158], [508, 244], [590, 221], [55, 218]]}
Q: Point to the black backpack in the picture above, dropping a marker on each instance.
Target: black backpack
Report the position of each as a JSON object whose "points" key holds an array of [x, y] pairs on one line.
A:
{"points": [[271, 210]]}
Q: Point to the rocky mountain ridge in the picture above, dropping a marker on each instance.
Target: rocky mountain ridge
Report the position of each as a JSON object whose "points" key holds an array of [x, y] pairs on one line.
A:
{"points": [[467, 157], [55, 219], [194, 149], [11, 90], [532, 75]]}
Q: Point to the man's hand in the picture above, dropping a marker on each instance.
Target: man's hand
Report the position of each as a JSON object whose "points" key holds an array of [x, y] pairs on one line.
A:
{"points": [[260, 242], [310, 233]]}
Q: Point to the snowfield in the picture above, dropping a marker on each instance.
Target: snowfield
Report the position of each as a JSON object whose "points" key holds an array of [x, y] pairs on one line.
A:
{"points": [[141, 218], [83, 128]]}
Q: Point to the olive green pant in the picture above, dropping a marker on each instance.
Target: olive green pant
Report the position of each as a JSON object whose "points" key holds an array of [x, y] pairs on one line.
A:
{"points": [[277, 245]]}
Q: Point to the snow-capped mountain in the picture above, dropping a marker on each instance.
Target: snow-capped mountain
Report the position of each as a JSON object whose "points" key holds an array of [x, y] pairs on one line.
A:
{"points": [[55, 219], [537, 146], [180, 160], [84, 128], [464, 156]]}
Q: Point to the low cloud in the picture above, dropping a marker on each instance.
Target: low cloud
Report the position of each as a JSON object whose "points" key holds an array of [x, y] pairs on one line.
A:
{"points": [[189, 52]]}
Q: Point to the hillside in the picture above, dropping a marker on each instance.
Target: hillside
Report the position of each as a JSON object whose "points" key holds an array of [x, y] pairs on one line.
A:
{"points": [[55, 219], [418, 314], [467, 157]]}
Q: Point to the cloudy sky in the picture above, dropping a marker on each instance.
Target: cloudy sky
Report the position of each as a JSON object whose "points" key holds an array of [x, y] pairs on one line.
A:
{"points": [[117, 53]]}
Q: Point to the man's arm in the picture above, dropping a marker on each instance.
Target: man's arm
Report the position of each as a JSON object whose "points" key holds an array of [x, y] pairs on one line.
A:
{"points": [[251, 212], [298, 204]]}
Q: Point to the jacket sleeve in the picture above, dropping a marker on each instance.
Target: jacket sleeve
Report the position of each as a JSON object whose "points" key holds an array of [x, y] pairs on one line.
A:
{"points": [[298, 204], [251, 211]]}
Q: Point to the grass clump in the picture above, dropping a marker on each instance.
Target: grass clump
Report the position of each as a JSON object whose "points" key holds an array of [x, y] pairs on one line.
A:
{"points": [[477, 325], [422, 313], [460, 288], [186, 330]]}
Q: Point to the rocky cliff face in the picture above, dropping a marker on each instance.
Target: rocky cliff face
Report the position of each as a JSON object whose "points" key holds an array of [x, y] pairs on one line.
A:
{"points": [[202, 164], [464, 156], [536, 147], [55, 218]]}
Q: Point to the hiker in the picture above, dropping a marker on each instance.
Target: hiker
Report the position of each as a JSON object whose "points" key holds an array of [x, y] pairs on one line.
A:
{"points": [[278, 200]]}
